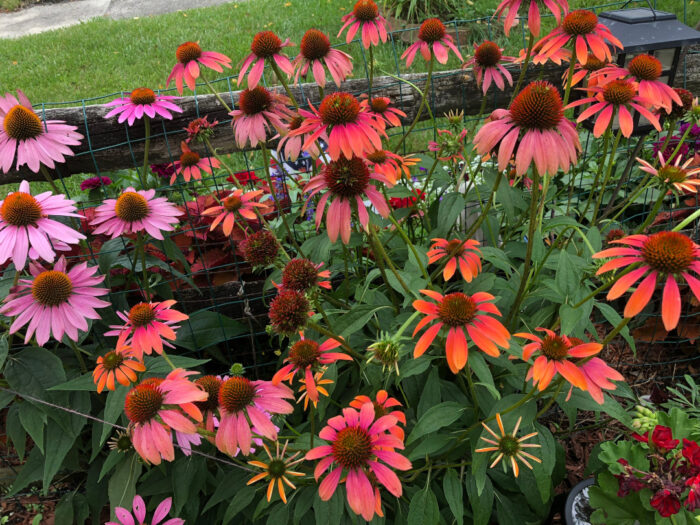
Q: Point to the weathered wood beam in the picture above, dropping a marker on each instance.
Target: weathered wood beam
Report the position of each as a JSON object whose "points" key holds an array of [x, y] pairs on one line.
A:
{"points": [[114, 146]]}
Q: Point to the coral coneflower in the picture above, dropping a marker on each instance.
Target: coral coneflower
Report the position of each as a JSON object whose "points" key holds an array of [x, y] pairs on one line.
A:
{"points": [[615, 96], [548, 138], [266, 45], [261, 248], [125, 517], [680, 177], [383, 405], [259, 111], [116, 365], [557, 7], [382, 110], [598, 378], [191, 165], [142, 101], [391, 165], [148, 327], [463, 254], [135, 211], [509, 446], [340, 122], [302, 275], [237, 202], [189, 57], [154, 409], [288, 312], [277, 469], [290, 145], [460, 313], [26, 231], [306, 357], [347, 181], [555, 354], [365, 16], [35, 142], [562, 55], [358, 441], [487, 64], [244, 403], [316, 51], [646, 70], [432, 40], [581, 27], [663, 257], [55, 302]]}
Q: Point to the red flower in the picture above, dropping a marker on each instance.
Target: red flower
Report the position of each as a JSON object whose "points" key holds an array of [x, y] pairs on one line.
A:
{"points": [[692, 501], [661, 438], [243, 177], [691, 452], [666, 503]]}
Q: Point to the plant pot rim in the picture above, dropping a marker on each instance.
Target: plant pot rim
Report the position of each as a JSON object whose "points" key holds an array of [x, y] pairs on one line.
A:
{"points": [[568, 506]]}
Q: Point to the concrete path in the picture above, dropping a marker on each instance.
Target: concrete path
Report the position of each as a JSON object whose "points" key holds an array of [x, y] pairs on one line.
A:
{"points": [[42, 18]]}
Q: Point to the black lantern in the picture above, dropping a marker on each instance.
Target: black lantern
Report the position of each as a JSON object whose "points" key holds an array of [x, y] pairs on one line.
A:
{"points": [[657, 33]]}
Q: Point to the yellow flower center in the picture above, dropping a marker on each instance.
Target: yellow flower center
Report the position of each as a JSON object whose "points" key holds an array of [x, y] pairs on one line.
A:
{"points": [[52, 288], [20, 209], [22, 123], [131, 207]]}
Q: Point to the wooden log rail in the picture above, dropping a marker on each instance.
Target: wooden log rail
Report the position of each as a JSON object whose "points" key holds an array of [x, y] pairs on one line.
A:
{"points": [[112, 146]]}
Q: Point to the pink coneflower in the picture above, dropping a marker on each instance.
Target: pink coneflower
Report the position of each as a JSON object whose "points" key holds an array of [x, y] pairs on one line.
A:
{"points": [[383, 405], [305, 358], [347, 181], [116, 366], [189, 56], [146, 326], [663, 256], [135, 211], [244, 403], [200, 128], [34, 141], [266, 46], [382, 110], [562, 55], [55, 302], [581, 26], [93, 183], [616, 96], [548, 138], [316, 51], [302, 275], [461, 314], [26, 230], [432, 40], [598, 377], [290, 145], [140, 102], [646, 70], [191, 165], [125, 517], [682, 178], [358, 443], [365, 15], [237, 202], [342, 124], [557, 7], [391, 165], [154, 409], [487, 64], [259, 111], [463, 254]]}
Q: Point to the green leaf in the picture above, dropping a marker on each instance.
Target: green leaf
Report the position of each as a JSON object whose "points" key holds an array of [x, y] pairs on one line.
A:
{"points": [[15, 430], [4, 350], [83, 382], [358, 317], [122, 484], [58, 443], [440, 416], [566, 277], [108, 254], [430, 396], [31, 472], [206, 328], [303, 503], [278, 515], [317, 248], [114, 406], [159, 366], [330, 511], [454, 495], [239, 502], [612, 317], [113, 458], [33, 420], [451, 206], [479, 366], [481, 501], [33, 370], [423, 509]]}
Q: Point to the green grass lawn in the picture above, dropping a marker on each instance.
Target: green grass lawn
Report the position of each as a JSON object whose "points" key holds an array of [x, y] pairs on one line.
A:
{"points": [[102, 56]]}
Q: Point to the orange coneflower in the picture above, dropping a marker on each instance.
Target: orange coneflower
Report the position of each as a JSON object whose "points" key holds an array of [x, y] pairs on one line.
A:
{"points": [[458, 252], [119, 365], [278, 470], [319, 381], [510, 446]]}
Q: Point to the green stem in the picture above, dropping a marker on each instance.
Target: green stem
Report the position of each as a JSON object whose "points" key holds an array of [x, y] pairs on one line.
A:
{"points": [[49, 179], [626, 204], [551, 400], [406, 324], [616, 330], [570, 78], [671, 128], [611, 163], [146, 147], [474, 227], [654, 211], [523, 71], [599, 172], [214, 91], [380, 249], [371, 72], [321, 330], [167, 360], [280, 77], [146, 281], [687, 220], [410, 246], [79, 356], [680, 143], [422, 103]]}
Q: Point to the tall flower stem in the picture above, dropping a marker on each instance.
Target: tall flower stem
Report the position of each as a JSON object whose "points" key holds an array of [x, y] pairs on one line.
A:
{"points": [[616, 330], [570, 78], [380, 249], [472, 391], [530, 243], [599, 172], [49, 179], [523, 70], [382, 270], [652, 215], [422, 103], [551, 400], [410, 245], [79, 356], [214, 91], [280, 77], [146, 147], [680, 142], [146, 282], [324, 331], [474, 227], [371, 72], [167, 360], [611, 163], [671, 128]]}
